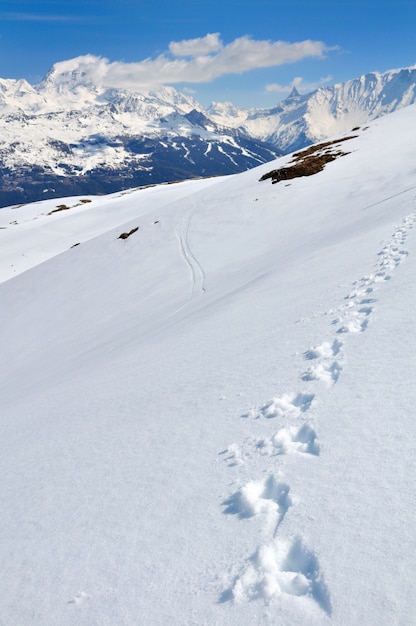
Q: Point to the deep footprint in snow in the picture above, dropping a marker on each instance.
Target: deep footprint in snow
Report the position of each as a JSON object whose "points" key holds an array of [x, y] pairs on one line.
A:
{"points": [[390, 258], [326, 349], [360, 292], [268, 496], [301, 439], [287, 405], [365, 310], [355, 325], [327, 372], [367, 301], [366, 284], [355, 321], [280, 568]]}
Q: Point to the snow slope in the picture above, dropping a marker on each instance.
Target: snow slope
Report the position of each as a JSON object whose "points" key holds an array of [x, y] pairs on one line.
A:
{"points": [[211, 421]]}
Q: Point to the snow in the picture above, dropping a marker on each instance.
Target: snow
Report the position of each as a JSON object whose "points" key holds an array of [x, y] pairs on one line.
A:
{"points": [[328, 111], [69, 124], [62, 122], [212, 421]]}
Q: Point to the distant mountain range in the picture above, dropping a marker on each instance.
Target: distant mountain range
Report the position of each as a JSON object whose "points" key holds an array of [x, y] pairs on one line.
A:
{"points": [[67, 136], [301, 120]]}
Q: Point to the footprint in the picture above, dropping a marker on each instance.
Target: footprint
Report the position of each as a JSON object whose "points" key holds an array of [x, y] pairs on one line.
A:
{"points": [[287, 405], [268, 497], [277, 568], [381, 276], [391, 257], [368, 301], [355, 325], [365, 310], [325, 350], [327, 372], [363, 289], [289, 440], [355, 321]]}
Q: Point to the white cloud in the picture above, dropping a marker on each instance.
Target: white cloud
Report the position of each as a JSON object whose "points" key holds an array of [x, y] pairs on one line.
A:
{"points": [[196, 47], [200, 61], [245, 54], [90, 67], [300, 84]]}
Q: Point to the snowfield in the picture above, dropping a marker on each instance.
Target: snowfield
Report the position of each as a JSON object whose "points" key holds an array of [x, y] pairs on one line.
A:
{"points": [[212, 420]]}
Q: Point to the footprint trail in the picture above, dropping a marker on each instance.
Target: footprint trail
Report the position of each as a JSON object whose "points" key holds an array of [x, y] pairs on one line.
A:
{"points": [[282, 565]]}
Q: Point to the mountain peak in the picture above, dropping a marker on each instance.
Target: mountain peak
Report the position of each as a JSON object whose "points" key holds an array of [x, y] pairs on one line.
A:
{"points": [[293, 94], [80, 71]]}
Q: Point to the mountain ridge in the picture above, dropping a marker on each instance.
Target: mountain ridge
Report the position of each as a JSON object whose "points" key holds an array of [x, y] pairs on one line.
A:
{"points": [[67, 135], [327, 110]]}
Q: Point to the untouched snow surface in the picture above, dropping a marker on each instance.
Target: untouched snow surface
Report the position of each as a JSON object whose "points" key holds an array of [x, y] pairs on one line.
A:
{"points": [[212, 421]]}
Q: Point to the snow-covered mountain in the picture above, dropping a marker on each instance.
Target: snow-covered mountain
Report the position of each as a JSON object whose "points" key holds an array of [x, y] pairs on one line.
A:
{"points": [[67, 135], [300, 120], [207, 396]]}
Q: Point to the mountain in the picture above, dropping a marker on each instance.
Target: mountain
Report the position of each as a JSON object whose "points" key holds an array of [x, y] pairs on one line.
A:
{"points": [[207, 396], [301, 120], [68, 136]]}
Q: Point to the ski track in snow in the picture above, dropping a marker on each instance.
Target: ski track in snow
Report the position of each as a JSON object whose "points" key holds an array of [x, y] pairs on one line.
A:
{"points": [[280, 566], [196, 269]]}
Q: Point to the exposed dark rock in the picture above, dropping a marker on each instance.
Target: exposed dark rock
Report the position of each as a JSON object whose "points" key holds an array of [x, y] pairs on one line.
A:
{"points": [[126, 235], [309, 161]]}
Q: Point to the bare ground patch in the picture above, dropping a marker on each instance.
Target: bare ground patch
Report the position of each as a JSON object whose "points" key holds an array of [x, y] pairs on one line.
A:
{"points": [[126, 235], [309, 161], [64, 207]]}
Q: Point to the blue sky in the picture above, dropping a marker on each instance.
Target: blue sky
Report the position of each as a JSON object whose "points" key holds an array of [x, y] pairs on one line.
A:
{"points": [[250, 52]]}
